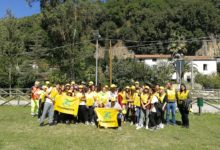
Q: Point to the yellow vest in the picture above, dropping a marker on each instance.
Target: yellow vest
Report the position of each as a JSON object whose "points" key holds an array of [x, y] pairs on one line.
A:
{"points": [[137, 100], [124, 100], [102, 98], [171, 95], [42, 96], [161, 97], [183, 95], [90, 99], [144, 97], [53, 93]]}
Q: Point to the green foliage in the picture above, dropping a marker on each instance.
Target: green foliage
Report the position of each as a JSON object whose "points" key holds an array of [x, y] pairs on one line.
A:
{"points": [[218, 68], [208, 81], [61, 38]]}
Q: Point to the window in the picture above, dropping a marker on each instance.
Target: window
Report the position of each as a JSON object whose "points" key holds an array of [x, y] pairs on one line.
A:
{"points": [[205, 67], [154, 59]]}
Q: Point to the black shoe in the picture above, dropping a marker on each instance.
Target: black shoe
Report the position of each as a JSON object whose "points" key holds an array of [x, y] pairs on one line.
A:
{"points": [[51, 124], [41, 124]]}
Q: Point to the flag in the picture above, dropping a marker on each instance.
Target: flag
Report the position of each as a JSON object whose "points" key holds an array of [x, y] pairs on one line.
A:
{"points": [[107, 117], [66, 104]]}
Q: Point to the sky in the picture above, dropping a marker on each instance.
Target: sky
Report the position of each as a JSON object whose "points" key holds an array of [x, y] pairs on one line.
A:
{"points": [[19, 8]]}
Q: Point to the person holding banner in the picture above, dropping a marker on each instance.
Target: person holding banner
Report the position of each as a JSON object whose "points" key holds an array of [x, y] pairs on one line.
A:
{"points": [[49, 104], [114, 104], [83, 113]]}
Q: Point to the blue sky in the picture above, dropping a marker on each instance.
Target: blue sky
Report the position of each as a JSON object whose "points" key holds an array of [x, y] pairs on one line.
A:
{"points": [[19, 8]]}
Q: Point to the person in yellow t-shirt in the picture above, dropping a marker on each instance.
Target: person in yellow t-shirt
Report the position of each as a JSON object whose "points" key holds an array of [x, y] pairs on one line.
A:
{"points": [[135, 100], [102, 97], [42, 94], [145, 109], [171, 103], [183, 99], [82, 112], [90, 101], [161, 98]]}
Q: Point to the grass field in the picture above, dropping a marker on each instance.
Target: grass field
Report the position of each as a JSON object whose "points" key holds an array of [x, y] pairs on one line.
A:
{"points": [[21, 132]]}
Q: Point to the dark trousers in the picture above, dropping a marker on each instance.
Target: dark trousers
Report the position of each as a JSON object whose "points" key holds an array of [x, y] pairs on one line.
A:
{"points": [[130, 114], [184, 115], [57, 116], [154, 119], [82, 114], [91, 114], [162, 113], [40, 109]]}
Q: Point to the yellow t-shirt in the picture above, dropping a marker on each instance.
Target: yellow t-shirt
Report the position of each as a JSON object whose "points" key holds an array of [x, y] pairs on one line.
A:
{"points": [[183, 95], [90, 99], [102, 97], [137, 99], [144, 97]]}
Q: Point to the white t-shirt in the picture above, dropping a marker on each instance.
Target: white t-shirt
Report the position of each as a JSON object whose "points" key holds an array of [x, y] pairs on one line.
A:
{"points": [[116, 106], [47, 99], [154, 100]]}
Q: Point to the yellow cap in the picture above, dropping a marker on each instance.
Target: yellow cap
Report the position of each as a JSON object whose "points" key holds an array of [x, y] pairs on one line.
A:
{"points": [[113, 86], [44, 87], [47, 82], [136, 82], [133, 88], [69, 91], [73, 82], [146, 87], [67, 84], [161, 87], [127, 87], [90, 83], [106, 86], [80, 86], [36, 82]]}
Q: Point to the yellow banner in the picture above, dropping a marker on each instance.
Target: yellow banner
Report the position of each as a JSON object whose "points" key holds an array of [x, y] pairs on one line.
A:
{"points": [[66, 104], [107, 117]]}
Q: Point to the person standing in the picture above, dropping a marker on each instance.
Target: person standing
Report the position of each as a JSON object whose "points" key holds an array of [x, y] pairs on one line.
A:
{"points": [[35, 98], [145, 108], [183, 101], [161, 98], [82, 112], [51, 94], [170, 103]]}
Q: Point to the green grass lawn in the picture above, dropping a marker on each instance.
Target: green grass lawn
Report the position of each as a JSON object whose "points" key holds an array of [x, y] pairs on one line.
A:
{"points": [[18, 130]]}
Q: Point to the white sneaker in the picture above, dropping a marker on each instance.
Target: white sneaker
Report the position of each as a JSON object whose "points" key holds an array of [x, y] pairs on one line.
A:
{"points": [[139, 127], [119, 128], [147, 128], [131, 123], [87, 123], [136, 125], [161, 126]]}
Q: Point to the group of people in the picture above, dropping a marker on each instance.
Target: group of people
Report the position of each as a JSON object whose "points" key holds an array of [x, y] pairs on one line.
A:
{"points": [[143, 106]]}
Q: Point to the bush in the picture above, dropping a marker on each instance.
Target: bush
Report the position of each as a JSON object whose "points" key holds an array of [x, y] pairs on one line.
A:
{"points": [[208, 81]]}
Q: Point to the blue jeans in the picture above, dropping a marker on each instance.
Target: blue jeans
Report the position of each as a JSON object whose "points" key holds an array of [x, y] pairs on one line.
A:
{"points": [[137, 114], [171, 107]]}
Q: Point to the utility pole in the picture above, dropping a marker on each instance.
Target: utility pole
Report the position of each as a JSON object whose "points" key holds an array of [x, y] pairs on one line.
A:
{"points": [[192, 81], [110, 63], [96, 66], [9, 78]]}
